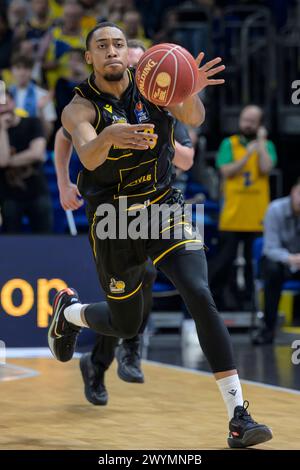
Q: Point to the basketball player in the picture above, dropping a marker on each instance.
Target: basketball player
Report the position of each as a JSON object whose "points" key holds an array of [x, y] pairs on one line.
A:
{"points": [[125, 145], [93, 365]]}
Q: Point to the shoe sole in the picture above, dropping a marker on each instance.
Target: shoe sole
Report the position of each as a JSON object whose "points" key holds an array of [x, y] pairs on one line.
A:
{"points": [[85, 376], [52, 325], [251, 438]]}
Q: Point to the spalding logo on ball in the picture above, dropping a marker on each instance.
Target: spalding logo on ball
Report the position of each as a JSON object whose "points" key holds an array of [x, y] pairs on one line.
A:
{"points": [[166, 74]]}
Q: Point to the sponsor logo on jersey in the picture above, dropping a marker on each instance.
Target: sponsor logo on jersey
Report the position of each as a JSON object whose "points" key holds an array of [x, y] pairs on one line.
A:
{"points": [[118, 119], [142, 179], [141, 112]]}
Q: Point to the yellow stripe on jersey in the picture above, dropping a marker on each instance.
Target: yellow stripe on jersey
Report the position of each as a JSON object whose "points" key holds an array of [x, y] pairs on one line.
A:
{"points": [[164, 253], [80, 91], [92, 87], [93, 235], [114, 297], [99, 115]]}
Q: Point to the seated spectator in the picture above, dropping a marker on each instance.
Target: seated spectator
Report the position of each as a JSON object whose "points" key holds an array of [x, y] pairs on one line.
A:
{"points": [[18, 14], [245, 161], [77, 73], [25, 47], [56, 8], [281, 260], [94, 12], [117, 8], [133, 27], [156, 20], [40, 21], [61, 40], [24, 189], [169, 23], [29, 96]]}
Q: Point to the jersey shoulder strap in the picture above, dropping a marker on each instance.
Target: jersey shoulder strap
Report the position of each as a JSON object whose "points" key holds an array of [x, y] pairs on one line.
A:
{"points": [[87, 89]]}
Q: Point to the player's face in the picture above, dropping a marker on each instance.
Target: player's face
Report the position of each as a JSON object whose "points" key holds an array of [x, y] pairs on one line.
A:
{"points": [[134, 55], [108, 53]]}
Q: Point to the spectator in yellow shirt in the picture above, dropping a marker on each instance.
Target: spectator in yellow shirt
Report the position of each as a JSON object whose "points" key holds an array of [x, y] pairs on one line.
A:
{"points": [[61, 39], [245, 161], [133, 27]]}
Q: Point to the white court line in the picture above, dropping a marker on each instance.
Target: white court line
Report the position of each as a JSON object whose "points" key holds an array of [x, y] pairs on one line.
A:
{"points": [[20, 353], [25, 375], [45, 353], [200, 372]]}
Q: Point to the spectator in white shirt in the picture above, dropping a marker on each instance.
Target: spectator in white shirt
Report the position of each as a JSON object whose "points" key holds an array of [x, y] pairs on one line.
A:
{"points": [[281, 260]]}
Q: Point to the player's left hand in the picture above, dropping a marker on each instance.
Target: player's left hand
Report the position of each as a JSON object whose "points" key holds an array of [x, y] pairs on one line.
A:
{"points": [[70, 197], [207, 71]]}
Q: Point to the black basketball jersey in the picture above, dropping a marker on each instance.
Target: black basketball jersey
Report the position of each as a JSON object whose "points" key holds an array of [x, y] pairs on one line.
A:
{"points": [[138, 174]]}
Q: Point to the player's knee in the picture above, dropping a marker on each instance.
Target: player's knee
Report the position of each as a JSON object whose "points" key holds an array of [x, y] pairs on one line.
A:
{"points": [[201, 294], [127, 328], [128, 331]]}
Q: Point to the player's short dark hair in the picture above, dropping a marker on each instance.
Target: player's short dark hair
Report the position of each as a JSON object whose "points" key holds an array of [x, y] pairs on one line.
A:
{"points": [[135, 44], [20, 60], [104, 24]]}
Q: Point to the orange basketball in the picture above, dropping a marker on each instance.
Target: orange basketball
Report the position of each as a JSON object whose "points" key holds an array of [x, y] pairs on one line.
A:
{"points": [[166, 74]]}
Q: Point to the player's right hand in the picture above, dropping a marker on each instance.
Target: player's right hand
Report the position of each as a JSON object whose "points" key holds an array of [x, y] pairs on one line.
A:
{"points": [[131, 136], [69, 197]]}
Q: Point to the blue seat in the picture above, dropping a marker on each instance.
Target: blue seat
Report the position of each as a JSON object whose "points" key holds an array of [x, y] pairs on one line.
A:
{"points": [[163, 289], [257, 249]]}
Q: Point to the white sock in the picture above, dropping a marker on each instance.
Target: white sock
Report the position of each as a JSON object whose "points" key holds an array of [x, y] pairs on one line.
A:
{"points": [[73, 314], [231, 390]]}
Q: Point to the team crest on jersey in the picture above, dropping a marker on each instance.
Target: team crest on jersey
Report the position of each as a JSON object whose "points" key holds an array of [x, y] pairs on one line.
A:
{"points": [[118, 119], [116, 286], [141, 112]]}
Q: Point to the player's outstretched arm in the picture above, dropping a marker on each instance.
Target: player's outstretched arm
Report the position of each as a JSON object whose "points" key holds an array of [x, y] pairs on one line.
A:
{"points": [[77, 118], [93, 149], [191, 111]]}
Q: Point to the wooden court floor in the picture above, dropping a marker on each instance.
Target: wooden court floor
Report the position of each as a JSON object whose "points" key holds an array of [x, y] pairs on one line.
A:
{"points": [[174, 409]]}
